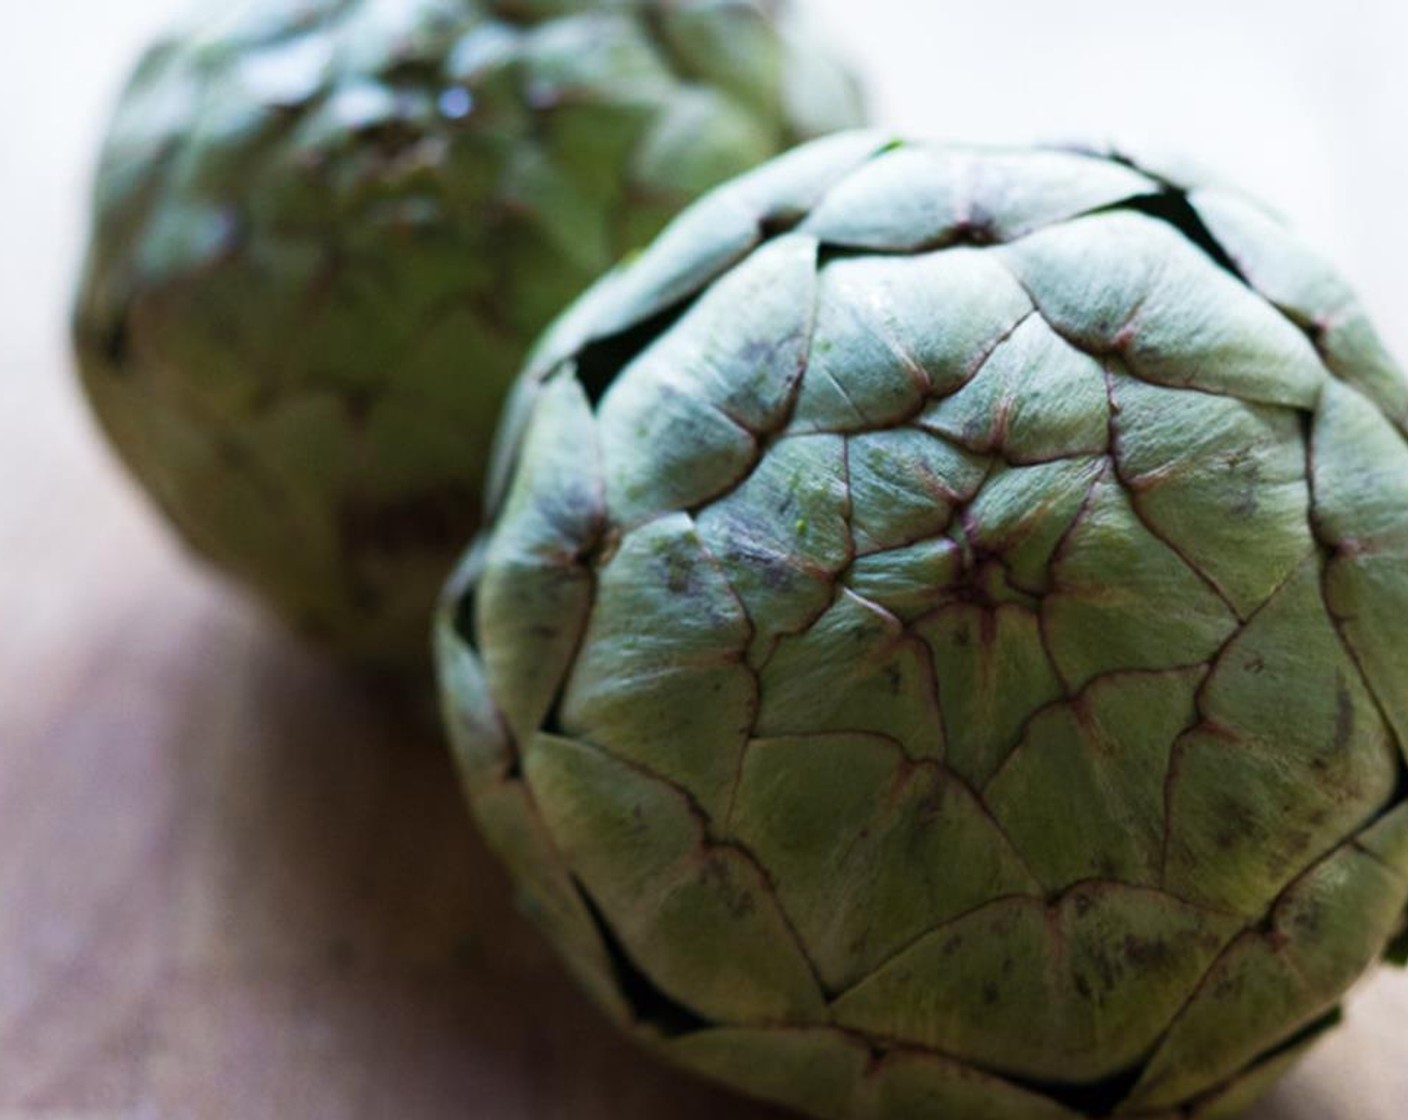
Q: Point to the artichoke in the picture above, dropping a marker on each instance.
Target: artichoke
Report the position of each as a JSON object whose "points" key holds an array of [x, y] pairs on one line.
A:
{"points": [[327, 231], [936, 645]]}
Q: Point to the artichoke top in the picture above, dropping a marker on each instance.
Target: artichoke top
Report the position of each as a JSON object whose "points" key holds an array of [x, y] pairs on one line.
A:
{"points": [[326, 233], [935, 649]]}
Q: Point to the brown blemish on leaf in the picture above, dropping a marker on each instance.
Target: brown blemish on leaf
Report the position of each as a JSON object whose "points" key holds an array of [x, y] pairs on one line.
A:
{"points": [[737, 899]]}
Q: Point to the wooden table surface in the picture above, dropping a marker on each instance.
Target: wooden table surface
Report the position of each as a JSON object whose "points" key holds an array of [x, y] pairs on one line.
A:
{"points": [[235, 883]]}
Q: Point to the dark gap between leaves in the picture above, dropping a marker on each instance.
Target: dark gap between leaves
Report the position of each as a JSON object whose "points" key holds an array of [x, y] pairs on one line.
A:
{"points": [[1311, 1030], [1102, 1098], [1314, 331], [589, 556], [827, 254], [976, 236], [552, 722], [1396, 951], [1399, 796], [463, 618], [1400, 785], [649, 1005], [1095, 1099], [116, 344], [1172, 206], [771, 226], [601, 360]]}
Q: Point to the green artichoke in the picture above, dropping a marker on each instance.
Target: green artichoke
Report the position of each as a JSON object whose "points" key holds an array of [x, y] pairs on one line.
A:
{"points": [[936, 649], [327, 231]]}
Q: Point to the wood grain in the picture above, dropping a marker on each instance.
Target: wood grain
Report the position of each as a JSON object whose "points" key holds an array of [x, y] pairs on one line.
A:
{"points": [[235, 883]]}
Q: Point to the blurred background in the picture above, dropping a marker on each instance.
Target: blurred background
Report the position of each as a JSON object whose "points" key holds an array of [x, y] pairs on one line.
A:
{"points": [[235, 884]]}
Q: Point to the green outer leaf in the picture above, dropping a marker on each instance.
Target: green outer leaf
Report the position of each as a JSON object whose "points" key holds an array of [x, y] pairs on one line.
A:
{"points": [[1325, 930], [829, 1074], [637, 688], [864, 846], [1107, 965], [698, 918], [1359, 472]]}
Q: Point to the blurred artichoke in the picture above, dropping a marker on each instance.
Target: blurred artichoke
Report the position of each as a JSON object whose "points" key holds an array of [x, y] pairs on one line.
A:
{"points": [[937, 647], [326, 232]]}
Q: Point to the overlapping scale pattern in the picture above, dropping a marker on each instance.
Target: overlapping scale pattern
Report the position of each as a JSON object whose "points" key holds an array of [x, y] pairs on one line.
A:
{"points": [[327, 231], [938, 658]]}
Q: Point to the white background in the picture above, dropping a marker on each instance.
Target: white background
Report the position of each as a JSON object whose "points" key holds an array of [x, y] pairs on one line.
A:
{"points": [[1304, 102]]}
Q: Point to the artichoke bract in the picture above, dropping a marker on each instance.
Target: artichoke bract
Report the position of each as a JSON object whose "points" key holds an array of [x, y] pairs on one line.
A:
{"points": [[936, 647], [326, 233]]}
